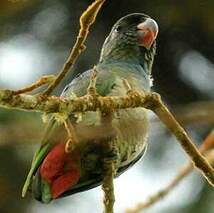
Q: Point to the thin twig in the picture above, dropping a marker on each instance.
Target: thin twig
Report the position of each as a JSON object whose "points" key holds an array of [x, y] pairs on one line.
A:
{"points": [[47, 79], [127, 85], [184, 171], [208, 142], [109, 167], [91, 90], [72, 139], [108, 188], [167, 118], [86, 20], [199, 112]]}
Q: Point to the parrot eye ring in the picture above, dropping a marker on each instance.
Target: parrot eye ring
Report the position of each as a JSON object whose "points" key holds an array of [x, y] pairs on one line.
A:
{"points": [[118, 28]]}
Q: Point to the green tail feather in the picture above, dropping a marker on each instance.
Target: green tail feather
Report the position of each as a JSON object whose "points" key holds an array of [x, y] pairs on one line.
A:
{"points": [[39, 155], [35, 164]]}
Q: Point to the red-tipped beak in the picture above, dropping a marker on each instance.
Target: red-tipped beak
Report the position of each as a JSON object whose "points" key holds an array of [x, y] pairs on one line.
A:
{"points": [[147, 32]]}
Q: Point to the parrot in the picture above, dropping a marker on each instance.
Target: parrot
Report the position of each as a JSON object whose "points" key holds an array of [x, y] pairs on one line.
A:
{"points": [[127, 53]]}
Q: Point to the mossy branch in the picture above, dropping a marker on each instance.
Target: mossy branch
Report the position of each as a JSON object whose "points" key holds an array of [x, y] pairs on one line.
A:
{"points": [[110, 165], [108, 189], [47, 79], [168, 119], [53, 104]]}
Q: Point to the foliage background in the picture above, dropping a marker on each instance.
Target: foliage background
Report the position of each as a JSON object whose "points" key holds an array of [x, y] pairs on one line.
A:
{"points": [[35, 38]]}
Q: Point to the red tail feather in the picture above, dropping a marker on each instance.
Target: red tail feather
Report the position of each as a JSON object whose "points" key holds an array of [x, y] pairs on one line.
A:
{"points": [[60, 170]]}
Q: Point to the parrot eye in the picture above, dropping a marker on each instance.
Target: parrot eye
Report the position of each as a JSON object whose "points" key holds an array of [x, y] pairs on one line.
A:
{"points": [[118, 28]]}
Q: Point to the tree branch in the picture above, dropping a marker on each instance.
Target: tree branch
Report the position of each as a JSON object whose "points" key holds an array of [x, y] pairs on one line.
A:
{"points": [[110, 164], [47, 79], [198, 113], [167, 118], [65, 105], [108, 187], [108, 104], [72, 139]]}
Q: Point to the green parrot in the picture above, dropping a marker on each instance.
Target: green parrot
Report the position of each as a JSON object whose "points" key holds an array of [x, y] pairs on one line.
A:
{"points": [[127, 53]]}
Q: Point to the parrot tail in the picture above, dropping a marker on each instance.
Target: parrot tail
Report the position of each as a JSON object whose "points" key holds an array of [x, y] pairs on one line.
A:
{"points": [[58, 173]]}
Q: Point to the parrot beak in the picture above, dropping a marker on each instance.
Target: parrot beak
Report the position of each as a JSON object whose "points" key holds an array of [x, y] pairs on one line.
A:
{"points": [[147, 32]]}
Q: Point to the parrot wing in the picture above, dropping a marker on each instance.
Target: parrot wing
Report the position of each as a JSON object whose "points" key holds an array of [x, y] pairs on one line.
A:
{"points": [[40, 154], [78, 87]]}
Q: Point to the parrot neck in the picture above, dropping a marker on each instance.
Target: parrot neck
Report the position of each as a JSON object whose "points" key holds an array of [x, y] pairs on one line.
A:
{"points": [[132, 54]]}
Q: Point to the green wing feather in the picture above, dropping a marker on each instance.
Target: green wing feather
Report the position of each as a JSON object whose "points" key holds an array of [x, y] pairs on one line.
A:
{"points": [[39, 155]]}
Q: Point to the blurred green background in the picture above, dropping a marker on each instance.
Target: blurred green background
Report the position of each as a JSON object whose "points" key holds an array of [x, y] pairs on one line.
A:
{"points": [[35, 38]]}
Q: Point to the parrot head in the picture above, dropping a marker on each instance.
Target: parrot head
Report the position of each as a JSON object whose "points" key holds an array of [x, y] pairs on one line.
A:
{"points": [[132, 37]]}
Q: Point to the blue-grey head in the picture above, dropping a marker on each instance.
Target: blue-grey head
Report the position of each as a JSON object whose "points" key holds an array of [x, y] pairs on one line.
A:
{"points": [[132, 38]]}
